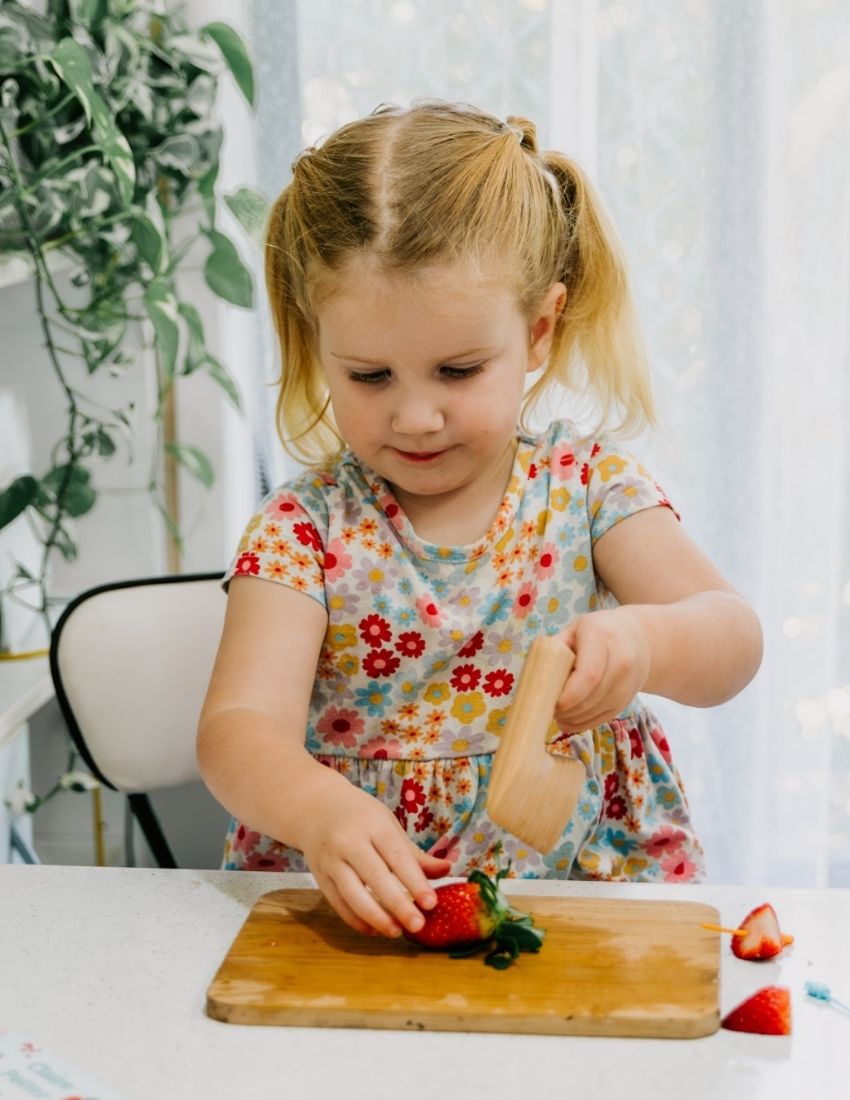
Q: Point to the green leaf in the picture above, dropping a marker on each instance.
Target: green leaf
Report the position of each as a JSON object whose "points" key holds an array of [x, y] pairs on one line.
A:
{"points": [[226, 274], [235, 54], [220, 375], [161, 306], [101, 441], [250, 209], [179, 151], [148, 240], [67, 546], [206, 189], [73, 67], [83, 12], [20, 495], [195, 461], [72, 482]]}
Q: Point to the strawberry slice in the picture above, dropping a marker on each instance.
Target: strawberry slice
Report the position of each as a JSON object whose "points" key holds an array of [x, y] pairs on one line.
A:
{"points": [[762, 938], [767, 1012], [758, 937]]}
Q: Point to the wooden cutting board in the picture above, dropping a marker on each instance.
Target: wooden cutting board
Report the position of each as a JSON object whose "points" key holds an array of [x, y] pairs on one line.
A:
{"points": [[607, 967]]}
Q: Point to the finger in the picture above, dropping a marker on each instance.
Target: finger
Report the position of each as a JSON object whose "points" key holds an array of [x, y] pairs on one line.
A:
{"points": [[434, 866], [341, 906], [363, 902], [586, 682], [404, 862]]}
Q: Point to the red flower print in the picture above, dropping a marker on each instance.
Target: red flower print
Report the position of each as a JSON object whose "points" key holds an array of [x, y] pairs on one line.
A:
{"points": [[266, 861], [616, 807], [585, 473], [472, 646], [499, 682], [678, 868], [563, 462], [340, 727], [596, 449], [381, 662], [660, 740], [245, 840], [248, 565], [447, 847], [666, 842], [412, 796], [465, 678], [286, 505], [636, 742], [307, 535], [401, 814], [611, 784], [525, 599], [428, 610], [546, 562], [374, 630], [423, 820], [337, 560], [411, 643], [532, 472]]}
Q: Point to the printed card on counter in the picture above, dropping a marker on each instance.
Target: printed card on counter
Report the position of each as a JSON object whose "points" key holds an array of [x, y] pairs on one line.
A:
{"points": [[27, 1072]]}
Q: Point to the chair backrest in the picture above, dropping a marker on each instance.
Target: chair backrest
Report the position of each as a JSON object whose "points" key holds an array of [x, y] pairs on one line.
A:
{"points": [[130, 663]]}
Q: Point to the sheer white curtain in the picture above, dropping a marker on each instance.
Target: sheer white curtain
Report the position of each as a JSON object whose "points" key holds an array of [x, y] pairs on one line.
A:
{"points": [[718, 133]]}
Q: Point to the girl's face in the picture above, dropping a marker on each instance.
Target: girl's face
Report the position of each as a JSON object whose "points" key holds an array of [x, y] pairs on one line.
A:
{"points": [[426, 379]]}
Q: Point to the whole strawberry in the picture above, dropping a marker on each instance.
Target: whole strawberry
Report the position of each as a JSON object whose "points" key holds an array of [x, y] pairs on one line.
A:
{"points": [[470, 916]]}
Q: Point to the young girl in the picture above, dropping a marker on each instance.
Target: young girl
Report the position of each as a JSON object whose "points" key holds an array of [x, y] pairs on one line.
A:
{"points": [[423, 265]]}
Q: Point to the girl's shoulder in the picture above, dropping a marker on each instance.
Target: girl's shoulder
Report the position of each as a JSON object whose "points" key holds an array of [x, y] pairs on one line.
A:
{"points": [[565, 435], [316, 490]]}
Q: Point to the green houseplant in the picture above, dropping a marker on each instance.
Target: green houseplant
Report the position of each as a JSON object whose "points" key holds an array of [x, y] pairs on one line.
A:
{"points": [[109, 154]]}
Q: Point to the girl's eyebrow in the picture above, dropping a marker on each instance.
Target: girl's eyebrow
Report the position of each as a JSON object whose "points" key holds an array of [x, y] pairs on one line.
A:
{"points": [[381, 363]]}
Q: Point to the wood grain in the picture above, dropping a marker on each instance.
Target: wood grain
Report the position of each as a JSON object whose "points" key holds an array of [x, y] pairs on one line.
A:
{"points": [[532, 792], [607, 967]]}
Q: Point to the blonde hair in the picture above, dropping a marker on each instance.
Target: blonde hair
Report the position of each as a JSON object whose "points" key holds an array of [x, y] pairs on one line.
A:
{"points": [[446, 183]]}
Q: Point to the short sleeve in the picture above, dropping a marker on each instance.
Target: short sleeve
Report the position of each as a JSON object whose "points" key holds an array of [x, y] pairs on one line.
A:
{"points": [[618, 486], [282, 543]]}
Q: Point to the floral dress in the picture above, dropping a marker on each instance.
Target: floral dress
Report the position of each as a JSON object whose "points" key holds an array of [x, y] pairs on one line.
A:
{"points": [[425, 644]]}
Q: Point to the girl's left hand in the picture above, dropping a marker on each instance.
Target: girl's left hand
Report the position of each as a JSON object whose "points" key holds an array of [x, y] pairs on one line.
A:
{"points": [[611, 666]]}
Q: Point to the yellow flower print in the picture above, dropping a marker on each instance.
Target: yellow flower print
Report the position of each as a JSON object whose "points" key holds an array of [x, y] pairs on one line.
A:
{"points": [[385, 551], [589, 861], [254, 524], [437, 693], [276, 570], [580, 563], [342, 636], [560, 499], [634, 866], [496, 720], [542, 521], [610, 466], [368, 526], [409, 710], [594, 508], [460, 745], [259, 545], [553, 605], [504, 541], [562, 865], [505, 646], [376, 575], [468, 706], [348, 664], [272, 530]]}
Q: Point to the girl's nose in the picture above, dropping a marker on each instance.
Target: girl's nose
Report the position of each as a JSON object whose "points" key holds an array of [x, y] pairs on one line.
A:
{"points": [[416, 415]]}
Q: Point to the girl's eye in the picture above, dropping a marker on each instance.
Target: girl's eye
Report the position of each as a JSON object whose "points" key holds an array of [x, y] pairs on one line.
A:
{"points": [[369, 377], [466, 371]]}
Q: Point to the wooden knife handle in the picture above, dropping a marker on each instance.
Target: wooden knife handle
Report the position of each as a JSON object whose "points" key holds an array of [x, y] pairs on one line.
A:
{"points": [[533, 793]]}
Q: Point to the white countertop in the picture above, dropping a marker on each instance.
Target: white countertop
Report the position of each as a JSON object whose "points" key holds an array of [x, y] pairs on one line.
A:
{"points": [[108, 968]]}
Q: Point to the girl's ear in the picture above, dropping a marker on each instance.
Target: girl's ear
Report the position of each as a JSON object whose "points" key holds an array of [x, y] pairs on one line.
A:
{"points": [[542, 327]]}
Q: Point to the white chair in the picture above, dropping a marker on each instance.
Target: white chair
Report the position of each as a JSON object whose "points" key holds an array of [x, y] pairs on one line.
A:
{"points": [[130, 663]]}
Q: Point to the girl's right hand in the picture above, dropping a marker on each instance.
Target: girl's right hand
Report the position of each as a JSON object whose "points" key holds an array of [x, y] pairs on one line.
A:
{"points": [[366, 866]]}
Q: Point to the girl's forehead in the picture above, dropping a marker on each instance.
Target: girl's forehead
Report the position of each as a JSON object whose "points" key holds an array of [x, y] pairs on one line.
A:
{"points": [[442, 288]]}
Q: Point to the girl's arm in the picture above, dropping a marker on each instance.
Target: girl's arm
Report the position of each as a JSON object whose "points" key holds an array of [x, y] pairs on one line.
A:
{"points": [[681, 630], [252, 757]]}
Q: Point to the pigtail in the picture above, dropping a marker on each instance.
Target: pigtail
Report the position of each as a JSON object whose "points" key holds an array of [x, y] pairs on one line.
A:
{"points": [[598, 344]]}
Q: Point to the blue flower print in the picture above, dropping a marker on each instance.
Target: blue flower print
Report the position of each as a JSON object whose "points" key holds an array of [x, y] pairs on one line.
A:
{"points": [[405, 586], [618, 840], [501, 607], [374, 698]]}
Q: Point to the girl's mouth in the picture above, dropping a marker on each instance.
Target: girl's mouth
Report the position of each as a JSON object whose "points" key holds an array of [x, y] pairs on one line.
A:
{"points": [[419, 456]]}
